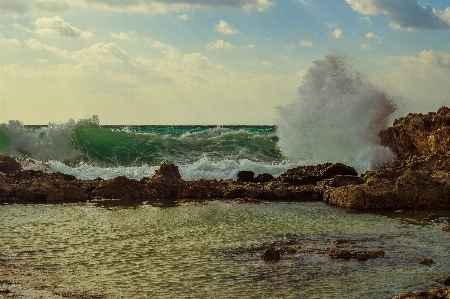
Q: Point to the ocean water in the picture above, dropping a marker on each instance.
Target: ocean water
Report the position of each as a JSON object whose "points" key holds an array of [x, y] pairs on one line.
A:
{"points": [[107, 249]]}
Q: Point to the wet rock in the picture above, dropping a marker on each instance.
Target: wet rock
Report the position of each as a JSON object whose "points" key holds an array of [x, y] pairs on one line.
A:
{"points": [[427, 262], [122, 187], [345, 254], [271, 254], [70, 193], [287, 250], [446, 228], [9, 165], [416, 183], [167, 182], [245, 176], [264, 178], [6, 189], [444, 281], [311, 174], [431, 294], [419, 134]]}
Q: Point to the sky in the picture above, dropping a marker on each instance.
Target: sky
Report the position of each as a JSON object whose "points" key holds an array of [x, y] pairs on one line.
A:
{"points": [[227, 62]]}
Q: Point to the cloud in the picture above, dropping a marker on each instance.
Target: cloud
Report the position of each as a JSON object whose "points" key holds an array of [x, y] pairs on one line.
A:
{"points": [[306, 43], [290, 46], [371, 35], [337, 33], [19, 7], [303, 2], [96, 54], [127, 36], [404, 14], [265, 63], [422, 78], [220, 44], [366, 47], [224, 28], [158, 6], [11, 42], [184, 17], [56, 26], [367, 19], [252, 46]]}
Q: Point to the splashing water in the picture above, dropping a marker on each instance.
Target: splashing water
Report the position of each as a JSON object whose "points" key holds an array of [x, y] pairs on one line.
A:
{"points": [[336, 118]]}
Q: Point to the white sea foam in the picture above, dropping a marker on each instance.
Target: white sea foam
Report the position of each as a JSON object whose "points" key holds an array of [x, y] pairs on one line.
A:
{"points": [[50, 142], [202, 169], [336, 118]]}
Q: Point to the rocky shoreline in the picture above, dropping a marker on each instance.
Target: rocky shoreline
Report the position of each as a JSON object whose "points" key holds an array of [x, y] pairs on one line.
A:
{"points": [[418, 180]]}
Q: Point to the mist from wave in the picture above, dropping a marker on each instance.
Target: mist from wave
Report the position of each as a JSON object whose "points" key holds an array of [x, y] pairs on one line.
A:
{"points": [[336, 118]]}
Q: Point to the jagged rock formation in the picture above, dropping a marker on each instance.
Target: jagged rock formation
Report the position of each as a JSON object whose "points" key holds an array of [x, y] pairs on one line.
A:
{"points": [[419, 134], [431, 294], [37, 186], [415, 183]]}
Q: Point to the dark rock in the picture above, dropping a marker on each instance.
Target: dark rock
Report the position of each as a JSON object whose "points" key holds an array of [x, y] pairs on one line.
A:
{"points": [[427, 262], [359, 255], [446, 228], [287, 250], [345, 180], [444, 281], [431, 294], [264, 178], [311, 174], [69, 193], [245, 176], [9, 165], [271, 254], [122, 187]]}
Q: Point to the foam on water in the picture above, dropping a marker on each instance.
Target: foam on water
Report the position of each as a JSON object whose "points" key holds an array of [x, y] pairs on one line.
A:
{"points": [[336, 118]]}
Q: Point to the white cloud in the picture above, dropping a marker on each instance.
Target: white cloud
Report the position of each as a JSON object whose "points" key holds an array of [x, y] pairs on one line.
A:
{"points": [[423, 79], [224, 28], [367, 19], [290, 46], [330, 25], [184, 17], [337, 33], [56, 26], [16, 8], [158, 6], [306, 43], [43, 60], [404, 14], [265, 63], [19, 7], [96, 54], [371, 35], [220, 44], [11, 42], [303, 2], [252, 46], [366, 47], [127, 36]]}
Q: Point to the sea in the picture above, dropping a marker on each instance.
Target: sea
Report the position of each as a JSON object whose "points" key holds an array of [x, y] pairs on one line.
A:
{"points": [[159, 248]]}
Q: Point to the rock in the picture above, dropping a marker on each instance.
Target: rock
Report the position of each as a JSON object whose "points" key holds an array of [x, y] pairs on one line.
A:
{"points": [[122, 187], [446, 228], [69, 193], [431, 294], [415, 183], [444, 281], [419, 134], [271, 254], [287, 250], [167, 182], [9, 165], [311, 174], [427, 262], [245, 176], [6, 190], [345, 254], [264, 178]]}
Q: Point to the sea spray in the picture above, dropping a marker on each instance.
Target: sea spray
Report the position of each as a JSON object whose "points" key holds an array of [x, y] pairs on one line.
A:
{"points": [[336, 118]]}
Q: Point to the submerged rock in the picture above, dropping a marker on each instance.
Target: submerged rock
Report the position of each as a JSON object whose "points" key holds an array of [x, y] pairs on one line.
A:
{"points": [[271, 254], [431, 294]]}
